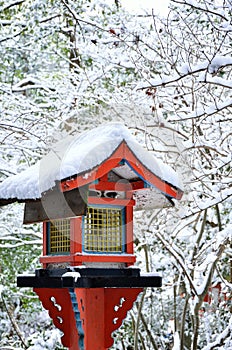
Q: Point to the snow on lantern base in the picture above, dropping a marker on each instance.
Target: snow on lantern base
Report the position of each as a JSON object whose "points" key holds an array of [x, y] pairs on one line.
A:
{"points": [[88, 304]]}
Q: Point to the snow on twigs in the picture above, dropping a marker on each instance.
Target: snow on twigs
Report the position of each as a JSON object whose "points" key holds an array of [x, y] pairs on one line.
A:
{"points": [[220, 339], [186, 70]]}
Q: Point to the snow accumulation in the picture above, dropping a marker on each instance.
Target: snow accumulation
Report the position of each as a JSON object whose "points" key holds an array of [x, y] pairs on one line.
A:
{"points": [[215, 80], [1, 290], [151, 274], [176, 345], [80, 154], [32, 83], [220, 338], [184, 70], [74, 275]]}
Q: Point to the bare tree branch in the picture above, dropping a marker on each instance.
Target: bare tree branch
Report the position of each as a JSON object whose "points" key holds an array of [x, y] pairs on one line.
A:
{"points": [[201, 8], [170, 249], [14, 323], [19, 2]]}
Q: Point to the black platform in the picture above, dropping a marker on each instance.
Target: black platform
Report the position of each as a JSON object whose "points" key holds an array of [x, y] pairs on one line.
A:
{"points": [[79, 277]]}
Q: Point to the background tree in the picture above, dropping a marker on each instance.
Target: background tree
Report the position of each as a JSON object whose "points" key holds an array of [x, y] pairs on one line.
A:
{"points": [[194, 46], [68, 66]]}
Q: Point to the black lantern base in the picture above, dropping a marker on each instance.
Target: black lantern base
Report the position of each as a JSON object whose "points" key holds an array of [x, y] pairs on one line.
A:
{"points": [[80, 277]]}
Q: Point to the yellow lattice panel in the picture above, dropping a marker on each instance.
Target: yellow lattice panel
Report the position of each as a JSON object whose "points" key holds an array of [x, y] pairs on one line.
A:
{"points": [[103, 230], [59, 233]]}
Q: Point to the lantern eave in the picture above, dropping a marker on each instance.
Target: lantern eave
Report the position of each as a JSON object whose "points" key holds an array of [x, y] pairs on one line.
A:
{"points": [[84, 158], [127, 166]]}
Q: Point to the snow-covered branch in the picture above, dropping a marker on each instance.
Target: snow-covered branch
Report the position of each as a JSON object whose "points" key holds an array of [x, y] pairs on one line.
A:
{"points": [[217, 199], [178, 259], [208, 111], [220, 339], [169, 80], [79, 19], [12, 4], [216, 81], [196, 5], [20, 243], [212, 67]]}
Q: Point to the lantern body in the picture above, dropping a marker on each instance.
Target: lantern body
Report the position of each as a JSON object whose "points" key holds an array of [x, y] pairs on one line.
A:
{"points": [[104, 235], [87, 282]]}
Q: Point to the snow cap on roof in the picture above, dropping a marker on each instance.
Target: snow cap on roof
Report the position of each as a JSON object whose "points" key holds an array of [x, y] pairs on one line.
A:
{"points": [[79, 155]]}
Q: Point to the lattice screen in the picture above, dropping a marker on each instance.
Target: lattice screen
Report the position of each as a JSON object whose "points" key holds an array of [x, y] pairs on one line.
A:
{"points": [[59, 236], [103, 230]]}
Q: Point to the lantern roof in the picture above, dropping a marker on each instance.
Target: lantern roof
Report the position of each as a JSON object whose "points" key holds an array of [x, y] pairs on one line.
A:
{"points": [[85, 157]]}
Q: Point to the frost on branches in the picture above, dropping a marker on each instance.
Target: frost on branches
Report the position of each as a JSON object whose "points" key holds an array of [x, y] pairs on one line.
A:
{"points": [[68, 66]]}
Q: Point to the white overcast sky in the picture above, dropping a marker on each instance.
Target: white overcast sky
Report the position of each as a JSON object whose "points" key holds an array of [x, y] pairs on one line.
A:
{"points": [[159, 6]]}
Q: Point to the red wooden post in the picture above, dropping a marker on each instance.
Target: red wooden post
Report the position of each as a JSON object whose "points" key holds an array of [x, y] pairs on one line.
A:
{"points": [[101, 312], [76, 235], [129, 230]]}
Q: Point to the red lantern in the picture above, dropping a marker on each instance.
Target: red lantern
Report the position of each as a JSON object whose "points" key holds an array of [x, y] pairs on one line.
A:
{"points": [[87, 282]]}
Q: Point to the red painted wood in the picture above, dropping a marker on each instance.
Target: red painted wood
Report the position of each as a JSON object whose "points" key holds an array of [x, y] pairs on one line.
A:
{"points": [[129, 230], [44, 238], [91, 307], [47, 259], [118, 301], [58, 304], [76, 235], [91, 258], [95, 173], [111, 201], [111, 186], [213, 293], [78, 258], [137, 185], [102, 311], [122, 152], [150, 177]]}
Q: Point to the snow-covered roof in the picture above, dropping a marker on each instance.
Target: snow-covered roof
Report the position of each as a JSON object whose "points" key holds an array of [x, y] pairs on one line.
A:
{"points": [[77, 156]]}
